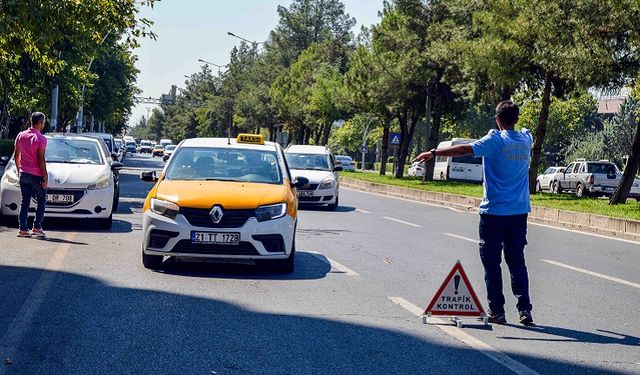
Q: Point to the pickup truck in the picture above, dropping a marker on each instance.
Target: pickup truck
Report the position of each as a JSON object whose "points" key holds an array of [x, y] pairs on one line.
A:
{"points": [[588, 178]]}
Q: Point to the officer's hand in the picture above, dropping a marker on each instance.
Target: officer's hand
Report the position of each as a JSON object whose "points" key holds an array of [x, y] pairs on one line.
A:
{"points": [[425, 157]]}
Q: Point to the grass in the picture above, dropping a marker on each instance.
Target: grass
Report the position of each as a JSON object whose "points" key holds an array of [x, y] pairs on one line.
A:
{"points": [[568, 202]]}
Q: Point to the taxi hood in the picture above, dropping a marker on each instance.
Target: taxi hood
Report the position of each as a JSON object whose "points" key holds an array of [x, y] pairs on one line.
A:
{"points": [[228, 194]]}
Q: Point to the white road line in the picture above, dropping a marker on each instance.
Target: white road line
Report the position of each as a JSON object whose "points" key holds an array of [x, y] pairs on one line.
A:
{"points": [[461, 237], [334, 264], [23, 319], [468, 339], [402, 222], [596, 274], [402, 199], [587, 233], [362, 211]]}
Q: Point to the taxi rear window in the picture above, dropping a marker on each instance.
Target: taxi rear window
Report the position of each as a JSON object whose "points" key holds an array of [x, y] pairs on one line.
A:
{"points": [[224, 164]]}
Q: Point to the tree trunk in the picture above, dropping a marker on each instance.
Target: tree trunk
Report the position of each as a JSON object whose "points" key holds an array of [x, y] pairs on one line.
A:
{"points": [[3, 108], [541, 131], [385, 149], [629, 175], [434, 136], [427, 133], [405, 143]]}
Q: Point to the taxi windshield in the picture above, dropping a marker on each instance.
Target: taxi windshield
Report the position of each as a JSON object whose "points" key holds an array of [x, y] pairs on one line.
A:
{"points": [[314, 162], [72, 151], [224, 164]]}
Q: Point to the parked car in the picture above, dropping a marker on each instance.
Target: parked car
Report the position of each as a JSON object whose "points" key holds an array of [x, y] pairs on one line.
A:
{"points": [[158, 150], [166, 142], [346, 162], [82, 181], [585, 178], [317, 164], [462, 168], [545, 180], [416, 169], [635, 189], [146, 147], [108, 140], [168, 151]]}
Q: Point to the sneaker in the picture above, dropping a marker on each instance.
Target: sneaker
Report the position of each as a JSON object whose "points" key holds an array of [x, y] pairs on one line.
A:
{"points": [[497, 318], [38, 233], [526, 318], [24, 234]]}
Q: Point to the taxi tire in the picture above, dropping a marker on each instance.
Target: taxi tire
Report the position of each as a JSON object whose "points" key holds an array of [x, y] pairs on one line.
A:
{"points": [[152, 262]]}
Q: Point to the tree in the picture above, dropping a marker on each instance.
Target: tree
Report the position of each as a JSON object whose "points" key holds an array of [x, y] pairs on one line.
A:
{"points": [[629, 114]]}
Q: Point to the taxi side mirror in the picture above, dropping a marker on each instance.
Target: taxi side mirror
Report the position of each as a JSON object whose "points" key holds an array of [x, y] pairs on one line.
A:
{"points": [[149, 176], [300, 183], [4, 160]]}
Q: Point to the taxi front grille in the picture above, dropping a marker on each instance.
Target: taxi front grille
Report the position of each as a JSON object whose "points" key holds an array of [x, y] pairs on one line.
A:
{"points": [[186, 246], [199, 217]]}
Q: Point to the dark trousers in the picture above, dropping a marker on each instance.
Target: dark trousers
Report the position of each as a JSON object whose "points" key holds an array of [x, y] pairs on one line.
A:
{"points": [[508, 233], [31, 187]]}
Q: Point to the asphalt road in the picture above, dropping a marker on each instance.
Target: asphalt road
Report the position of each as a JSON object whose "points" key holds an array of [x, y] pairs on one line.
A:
{"points": [[81, 302]]}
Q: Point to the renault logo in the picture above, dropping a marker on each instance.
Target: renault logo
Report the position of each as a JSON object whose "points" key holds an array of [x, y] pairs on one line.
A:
{"points": [[216, 214]]}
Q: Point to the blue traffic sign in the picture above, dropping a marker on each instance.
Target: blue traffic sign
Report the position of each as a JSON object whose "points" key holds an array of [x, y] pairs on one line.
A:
{"points": [[394, 139], [364, 149]]}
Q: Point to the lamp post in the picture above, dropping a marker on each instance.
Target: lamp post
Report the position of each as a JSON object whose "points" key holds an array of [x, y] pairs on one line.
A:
{"points": [[210, 63], [253, 42], [80, 120]]}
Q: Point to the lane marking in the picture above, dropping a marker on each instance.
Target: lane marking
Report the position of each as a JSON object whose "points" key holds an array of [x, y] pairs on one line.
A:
{"points": [[362, 211], [403, 199], [468, 339], [334, 264], [587, 233], [474, 212], [462, 238], [402, 222], [19, 326], [596, 274]]}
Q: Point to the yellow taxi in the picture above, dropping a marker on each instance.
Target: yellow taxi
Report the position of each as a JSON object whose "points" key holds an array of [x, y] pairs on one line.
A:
{"points": [[223, 200]]}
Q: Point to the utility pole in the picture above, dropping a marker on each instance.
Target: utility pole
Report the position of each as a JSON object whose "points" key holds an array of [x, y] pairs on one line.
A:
{"points": [[364, 142], [80, 117], [54, 107]]}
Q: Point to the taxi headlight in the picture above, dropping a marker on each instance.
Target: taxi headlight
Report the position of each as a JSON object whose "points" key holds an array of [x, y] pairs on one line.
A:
{"points": [[327, 184], [271, 212], [102, 182], [11, 177], [164, 208]]}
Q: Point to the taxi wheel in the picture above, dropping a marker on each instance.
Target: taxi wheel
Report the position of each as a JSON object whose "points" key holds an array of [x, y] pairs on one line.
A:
{"points": [[152, 262]]}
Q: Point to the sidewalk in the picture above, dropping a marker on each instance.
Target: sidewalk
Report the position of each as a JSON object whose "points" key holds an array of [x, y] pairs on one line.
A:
{"points": [[603, 225]]}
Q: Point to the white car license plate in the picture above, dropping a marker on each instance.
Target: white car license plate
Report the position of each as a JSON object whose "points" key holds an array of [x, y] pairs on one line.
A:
{"points": [[59, 198], [210, 238], [305, 193]]}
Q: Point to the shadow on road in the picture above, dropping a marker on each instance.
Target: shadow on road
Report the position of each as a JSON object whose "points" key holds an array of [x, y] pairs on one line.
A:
{"points": [[308, 267], [340, 209], [83, 325], [568, 335]]}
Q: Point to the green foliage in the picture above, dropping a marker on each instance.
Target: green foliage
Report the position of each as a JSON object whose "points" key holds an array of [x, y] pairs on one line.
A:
{"points": [[6, 147]]}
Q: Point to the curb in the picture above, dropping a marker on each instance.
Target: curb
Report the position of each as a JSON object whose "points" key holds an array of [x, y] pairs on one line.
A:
{"points": [[591, 223]]}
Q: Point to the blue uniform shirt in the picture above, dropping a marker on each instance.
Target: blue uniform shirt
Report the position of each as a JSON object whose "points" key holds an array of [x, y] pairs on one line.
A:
{"points": [[505, 162]]}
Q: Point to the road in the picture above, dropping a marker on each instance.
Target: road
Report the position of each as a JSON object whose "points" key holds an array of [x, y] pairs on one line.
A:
{"points": [[81, 302]]}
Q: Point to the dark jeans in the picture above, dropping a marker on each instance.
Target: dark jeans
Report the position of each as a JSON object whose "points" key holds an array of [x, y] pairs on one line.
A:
{"points": [[508, 233], [31, 186]]}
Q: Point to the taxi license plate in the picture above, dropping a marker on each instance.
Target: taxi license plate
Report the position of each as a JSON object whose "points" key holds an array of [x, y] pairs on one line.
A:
{"points": [[210, 238], [305, 193], [59, 198]]}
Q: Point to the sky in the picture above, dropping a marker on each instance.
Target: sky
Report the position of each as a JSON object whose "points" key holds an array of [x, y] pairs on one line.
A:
{"points": [[189, 30]]}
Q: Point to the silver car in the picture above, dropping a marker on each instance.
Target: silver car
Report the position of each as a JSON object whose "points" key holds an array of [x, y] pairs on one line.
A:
{"points": [[346, 162], [545, 180]]}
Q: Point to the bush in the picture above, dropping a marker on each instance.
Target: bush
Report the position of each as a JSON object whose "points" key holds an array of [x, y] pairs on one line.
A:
{"points": [[6, 147]]}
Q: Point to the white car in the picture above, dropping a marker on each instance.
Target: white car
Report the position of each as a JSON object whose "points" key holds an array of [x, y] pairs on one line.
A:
{"points": [[635, 189], [545, 180], [168, 151], [346, 162], [315, 163], [82, 181], [416, 169]]}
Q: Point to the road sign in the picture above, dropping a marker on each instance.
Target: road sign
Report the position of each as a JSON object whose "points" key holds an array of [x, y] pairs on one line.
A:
{"points": [[456, 296], [364, 149], [394, 139]]}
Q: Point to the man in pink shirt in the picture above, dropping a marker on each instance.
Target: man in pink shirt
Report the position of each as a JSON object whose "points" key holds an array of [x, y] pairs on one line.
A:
{"points": [[29, 158]]}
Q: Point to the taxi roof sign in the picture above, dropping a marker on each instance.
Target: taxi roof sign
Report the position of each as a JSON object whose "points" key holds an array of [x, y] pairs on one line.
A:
{"points": [[255, 139]]}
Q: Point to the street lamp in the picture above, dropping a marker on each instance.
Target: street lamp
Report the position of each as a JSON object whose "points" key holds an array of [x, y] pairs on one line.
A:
{"points": [[80, 122], [210, 63], [253, 42]]}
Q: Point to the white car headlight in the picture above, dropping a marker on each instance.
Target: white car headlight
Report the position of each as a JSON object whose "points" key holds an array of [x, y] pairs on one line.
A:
{"points": [[101, 183], [11, 177], [275, 211], [329, 183], [164, 208]]}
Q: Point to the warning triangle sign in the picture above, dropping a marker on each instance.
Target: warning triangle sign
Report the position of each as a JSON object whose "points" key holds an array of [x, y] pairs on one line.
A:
{"points": [[395, 140], [456, 296]]}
